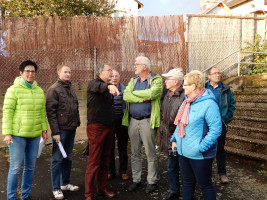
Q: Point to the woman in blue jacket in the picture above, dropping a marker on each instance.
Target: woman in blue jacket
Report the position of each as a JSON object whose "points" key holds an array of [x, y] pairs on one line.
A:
{"points": [[198, 127]]}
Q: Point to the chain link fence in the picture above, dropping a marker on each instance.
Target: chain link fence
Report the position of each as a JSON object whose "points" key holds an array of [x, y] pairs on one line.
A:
{"points": [[215, 40], [83, 61]]}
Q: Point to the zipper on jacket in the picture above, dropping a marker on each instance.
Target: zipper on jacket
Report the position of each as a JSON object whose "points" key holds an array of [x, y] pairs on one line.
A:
{"points": [[33, 111], [181, 146]]}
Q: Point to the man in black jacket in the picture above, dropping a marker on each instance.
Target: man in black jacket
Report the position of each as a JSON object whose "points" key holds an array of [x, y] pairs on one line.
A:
{"points": [[100, 132], [63, 115]]}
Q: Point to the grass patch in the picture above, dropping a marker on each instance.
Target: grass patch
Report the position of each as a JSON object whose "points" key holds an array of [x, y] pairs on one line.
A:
{"points": [[5, 150], [262, 172]]}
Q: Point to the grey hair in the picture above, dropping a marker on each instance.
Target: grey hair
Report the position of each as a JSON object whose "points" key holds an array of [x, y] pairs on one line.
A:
{"points": [[180, 77], [145, 61], [100, 68]]}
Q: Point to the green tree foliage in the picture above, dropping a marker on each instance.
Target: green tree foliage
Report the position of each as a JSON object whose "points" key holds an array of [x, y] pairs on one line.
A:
{"points": [[257, 57], [66, 8]]}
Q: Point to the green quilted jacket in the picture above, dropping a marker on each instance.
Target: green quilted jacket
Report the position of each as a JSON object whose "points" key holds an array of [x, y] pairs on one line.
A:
{"points": [[24, 110], [137, 96]]}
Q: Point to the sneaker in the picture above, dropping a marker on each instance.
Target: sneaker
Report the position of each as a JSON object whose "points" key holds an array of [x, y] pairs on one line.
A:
{"points": [[58, 194], [151, 188], [70, 187], [224, 179]]}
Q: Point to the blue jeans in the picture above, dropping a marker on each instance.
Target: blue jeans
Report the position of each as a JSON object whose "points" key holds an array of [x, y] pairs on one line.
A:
{"points": [[200, 172], [61, 167], [173, 173], [22, 149]]}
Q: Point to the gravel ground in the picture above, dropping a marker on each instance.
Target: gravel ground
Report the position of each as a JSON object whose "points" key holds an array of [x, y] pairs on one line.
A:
{"points": [[246, 183]]}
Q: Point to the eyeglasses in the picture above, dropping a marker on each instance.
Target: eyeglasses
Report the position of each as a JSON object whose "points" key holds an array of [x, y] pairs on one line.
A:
{"points": [[187, 84], [216, 73], [29, 71], [138, 64]]}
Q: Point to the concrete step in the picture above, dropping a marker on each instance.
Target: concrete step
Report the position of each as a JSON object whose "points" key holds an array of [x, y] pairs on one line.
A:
{"points": [[252, 122], [254, 89], [246, 131], [252, 112], [250, 158], [250, 96], [252, 104], [262, 82], [248, 144]]}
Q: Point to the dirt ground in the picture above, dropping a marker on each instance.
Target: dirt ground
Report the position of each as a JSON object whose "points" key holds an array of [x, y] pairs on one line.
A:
{"points": [[245, 183]]}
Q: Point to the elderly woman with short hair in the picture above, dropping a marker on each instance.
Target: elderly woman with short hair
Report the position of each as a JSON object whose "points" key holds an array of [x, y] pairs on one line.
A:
{"points": [[195, 137]]}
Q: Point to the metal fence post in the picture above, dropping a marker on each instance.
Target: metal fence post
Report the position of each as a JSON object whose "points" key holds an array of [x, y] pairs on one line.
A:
{"points": [[238, 69], [95, 62]]}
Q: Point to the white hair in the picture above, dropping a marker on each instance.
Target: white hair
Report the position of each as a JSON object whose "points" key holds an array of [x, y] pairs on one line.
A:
{"points": [[145, 61]]}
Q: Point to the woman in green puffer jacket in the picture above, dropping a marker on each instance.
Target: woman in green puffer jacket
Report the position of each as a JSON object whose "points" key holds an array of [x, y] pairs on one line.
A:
{"points": [[24, 121]]}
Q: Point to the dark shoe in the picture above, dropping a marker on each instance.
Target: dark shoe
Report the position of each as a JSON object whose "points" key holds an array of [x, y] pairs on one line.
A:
{"points": [[134, 186], [171, 196], [28, 198], [224, 179], [107, 193], [124, 177], [151, 188], [110, 176]]}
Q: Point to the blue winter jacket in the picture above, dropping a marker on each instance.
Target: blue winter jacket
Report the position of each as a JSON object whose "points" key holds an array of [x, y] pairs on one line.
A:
{"points": [[203, 129]]}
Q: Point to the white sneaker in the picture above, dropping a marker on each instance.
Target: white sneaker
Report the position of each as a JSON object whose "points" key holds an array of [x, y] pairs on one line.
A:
{"points": [[70, 187], [58, 194]]}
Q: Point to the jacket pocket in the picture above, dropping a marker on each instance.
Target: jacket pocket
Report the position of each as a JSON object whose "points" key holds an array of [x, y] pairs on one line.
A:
{"points": [[62, 119]]}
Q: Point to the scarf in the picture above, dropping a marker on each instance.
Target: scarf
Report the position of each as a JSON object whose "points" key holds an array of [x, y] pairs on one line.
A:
{"points": [[181, 119], [27, 83]]}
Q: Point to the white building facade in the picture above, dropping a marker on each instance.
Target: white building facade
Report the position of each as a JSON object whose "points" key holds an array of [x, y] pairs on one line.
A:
{"points": [[237, 7], [127, 8]]}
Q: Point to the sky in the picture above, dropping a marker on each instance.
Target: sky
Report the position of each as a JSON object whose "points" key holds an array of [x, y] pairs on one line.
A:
{"points": [[169, 7]]}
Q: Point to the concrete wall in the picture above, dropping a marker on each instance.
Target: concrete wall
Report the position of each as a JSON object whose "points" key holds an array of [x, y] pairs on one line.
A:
{"points": [[81, 131]]}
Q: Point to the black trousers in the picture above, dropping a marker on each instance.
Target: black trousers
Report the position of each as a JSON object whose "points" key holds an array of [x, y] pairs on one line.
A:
{"points": [[121, 134], [221, 156]]}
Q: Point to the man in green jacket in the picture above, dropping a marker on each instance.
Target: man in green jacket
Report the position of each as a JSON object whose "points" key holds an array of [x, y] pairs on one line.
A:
{"points": [[142, 116]]}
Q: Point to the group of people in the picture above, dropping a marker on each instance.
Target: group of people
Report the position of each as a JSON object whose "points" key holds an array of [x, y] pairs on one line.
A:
{"points": [[192, 121]]}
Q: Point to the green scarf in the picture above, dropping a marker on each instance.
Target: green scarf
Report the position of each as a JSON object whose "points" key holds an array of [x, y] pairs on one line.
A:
{"points": [[27, 83]]}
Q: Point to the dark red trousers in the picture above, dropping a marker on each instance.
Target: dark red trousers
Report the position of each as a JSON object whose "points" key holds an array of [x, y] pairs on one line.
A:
{"points": [[100, 144]]}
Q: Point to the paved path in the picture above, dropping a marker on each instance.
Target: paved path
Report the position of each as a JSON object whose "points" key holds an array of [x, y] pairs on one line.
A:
{"points": [[246, 183]]}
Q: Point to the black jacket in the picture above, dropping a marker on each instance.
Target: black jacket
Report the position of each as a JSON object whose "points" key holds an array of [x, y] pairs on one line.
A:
{"points": [[169, 109], [62, 107], [99, 103]]}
